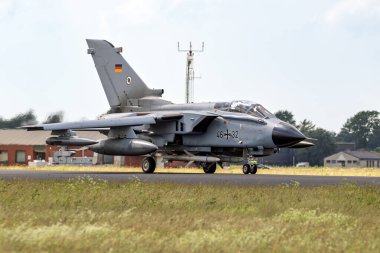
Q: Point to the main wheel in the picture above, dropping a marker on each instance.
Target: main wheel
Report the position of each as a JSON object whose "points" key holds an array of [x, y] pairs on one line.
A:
{"points": [[254, 169], [209, 168], [246, 168], [148, 165]]}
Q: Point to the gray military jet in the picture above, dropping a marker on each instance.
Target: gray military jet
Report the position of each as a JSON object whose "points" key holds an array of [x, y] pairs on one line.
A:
{"points": [[140, 122]]}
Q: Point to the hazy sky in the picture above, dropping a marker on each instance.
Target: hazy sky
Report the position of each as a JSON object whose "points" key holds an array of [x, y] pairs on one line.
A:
{"points": [[318, 59]]}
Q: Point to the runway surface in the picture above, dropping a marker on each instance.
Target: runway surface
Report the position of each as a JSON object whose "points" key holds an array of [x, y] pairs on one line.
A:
{"points": [[186, 178]]}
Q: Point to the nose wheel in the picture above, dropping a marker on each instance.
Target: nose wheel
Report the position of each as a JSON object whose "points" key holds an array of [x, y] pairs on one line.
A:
{"points": [[249, 169], [246, 169]]}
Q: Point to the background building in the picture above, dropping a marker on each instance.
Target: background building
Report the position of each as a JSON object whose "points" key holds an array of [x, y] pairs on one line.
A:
{"points": [[18, 147], [353, 159]]}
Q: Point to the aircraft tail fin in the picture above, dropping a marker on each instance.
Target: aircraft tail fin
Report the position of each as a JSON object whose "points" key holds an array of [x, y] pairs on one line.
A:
{"points": [[120, 82]]}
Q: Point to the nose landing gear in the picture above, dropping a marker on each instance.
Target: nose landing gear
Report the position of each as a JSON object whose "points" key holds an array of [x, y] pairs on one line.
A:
{"points": [[247, 168]]}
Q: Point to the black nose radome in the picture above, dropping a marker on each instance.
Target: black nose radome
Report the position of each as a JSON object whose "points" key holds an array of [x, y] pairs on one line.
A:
{"points": [[285, 135]]}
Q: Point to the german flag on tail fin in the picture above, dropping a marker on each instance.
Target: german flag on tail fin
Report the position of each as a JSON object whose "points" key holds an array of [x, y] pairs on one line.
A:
{"points": [[118, 68]]}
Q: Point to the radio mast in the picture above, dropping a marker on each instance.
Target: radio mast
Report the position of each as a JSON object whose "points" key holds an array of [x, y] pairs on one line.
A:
{"points": [[189, 92]]}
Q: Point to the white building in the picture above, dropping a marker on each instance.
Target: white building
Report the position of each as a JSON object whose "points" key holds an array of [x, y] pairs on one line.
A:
{"points": [[363, 159]]}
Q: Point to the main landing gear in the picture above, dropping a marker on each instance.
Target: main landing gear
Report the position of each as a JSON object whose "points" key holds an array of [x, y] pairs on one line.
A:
{"points": [[209, 168], [247, 168], [148, 165]]}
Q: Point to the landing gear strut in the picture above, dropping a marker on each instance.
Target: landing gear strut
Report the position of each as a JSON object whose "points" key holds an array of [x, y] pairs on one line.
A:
{"points": [[209, 168], [148, 165]]}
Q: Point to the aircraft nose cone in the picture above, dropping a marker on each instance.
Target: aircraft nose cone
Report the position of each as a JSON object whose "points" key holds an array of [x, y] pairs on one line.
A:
{"points": [[285, 135]]}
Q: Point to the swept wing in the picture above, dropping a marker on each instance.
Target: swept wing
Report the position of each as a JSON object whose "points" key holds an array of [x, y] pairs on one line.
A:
{"points": [[100, 123]]}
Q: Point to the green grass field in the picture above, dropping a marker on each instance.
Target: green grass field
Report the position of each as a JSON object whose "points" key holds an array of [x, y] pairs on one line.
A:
{"points": [[84, 215]]}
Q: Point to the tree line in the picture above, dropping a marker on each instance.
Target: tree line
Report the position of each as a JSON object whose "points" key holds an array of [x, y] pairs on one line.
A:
{"points": [[363, 129], [29, 118]]}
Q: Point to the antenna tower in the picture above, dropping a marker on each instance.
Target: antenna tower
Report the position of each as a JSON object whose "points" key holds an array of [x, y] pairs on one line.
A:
{"points": [[190, 71]]}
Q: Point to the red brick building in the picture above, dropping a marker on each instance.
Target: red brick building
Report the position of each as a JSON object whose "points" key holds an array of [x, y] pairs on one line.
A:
{"points": [[18, 147]]}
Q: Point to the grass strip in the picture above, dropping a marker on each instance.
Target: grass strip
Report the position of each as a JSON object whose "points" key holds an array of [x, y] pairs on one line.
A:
{"points": [[88, 215]]}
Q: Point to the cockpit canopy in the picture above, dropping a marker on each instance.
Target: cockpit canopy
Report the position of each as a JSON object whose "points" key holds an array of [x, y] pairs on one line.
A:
{"points": [[244, 106]]}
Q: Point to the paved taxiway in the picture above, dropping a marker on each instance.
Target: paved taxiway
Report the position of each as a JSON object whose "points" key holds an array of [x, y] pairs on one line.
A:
{"points": [[232, 179]]}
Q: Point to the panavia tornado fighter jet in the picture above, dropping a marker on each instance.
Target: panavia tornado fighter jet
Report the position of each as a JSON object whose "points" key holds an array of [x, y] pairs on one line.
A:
{"points": [[140, 122]]}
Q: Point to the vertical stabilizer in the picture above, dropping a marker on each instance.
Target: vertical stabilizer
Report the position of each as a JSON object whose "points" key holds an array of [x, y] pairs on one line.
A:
{"points": [[120, 82]]}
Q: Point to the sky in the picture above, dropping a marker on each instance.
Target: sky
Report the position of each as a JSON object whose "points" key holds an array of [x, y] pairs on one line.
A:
{"points": [[318, 59]]}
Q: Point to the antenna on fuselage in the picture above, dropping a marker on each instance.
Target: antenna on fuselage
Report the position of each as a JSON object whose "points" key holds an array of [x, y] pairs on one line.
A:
{"points": [[189, 92]]}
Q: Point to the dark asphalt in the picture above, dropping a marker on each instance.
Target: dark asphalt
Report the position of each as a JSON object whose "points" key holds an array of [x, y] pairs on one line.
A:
{"points": [[184, 178]]}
